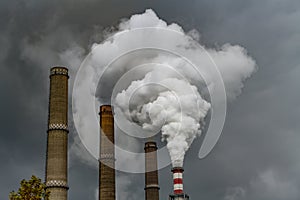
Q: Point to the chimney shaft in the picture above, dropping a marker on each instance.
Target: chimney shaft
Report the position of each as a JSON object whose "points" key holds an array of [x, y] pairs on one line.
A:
{"points": [[151, 174], [178, 185], [107, 155], [57, 135], [178, 180]]}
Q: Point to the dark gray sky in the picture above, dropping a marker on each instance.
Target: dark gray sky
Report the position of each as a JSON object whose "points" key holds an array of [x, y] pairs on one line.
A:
{"points": [[257, 156]]}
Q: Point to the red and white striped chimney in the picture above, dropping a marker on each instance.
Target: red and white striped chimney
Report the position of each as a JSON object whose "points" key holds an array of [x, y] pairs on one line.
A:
{"points": [[178, 180]]}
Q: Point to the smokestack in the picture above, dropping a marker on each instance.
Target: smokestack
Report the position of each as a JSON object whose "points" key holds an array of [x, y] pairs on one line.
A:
{"points": [[57, 135], [178, 185], [178, 180], [107, 155], [151, 175]]}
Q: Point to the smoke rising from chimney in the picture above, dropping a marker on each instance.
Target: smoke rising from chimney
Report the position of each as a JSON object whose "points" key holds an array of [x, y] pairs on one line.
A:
{"points": [[176, 109], [167, 93]]}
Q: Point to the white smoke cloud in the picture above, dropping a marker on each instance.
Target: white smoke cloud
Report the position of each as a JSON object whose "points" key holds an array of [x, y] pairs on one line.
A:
{"points": [[178, 110], [178, 104]]}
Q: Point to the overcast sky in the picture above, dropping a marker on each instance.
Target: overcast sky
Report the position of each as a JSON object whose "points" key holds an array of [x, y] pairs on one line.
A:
{"points": [[257, 156]]}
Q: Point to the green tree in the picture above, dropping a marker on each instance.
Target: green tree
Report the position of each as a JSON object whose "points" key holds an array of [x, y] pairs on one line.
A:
{"points": [[32, 189]]}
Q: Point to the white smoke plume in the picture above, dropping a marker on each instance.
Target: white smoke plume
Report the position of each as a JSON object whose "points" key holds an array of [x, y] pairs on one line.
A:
{"points": [[176, 108], [155, 97]]}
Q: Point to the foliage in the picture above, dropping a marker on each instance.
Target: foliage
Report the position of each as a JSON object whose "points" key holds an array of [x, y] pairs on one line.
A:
{"points": [[32, 189]]}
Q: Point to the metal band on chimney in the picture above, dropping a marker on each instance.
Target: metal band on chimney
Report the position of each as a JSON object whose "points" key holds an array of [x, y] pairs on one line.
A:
{"points": [[152, 186], [107, 156], [57, 183], [58, 127], [59, 71]]}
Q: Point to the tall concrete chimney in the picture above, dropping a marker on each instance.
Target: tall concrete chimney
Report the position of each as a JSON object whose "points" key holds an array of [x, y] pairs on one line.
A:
{"points": [[57, 135], [178, 185], [107, 186], [151, 175]]}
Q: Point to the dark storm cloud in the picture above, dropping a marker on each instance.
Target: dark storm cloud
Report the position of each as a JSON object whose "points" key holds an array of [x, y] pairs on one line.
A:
{"points": [[256, 157]]}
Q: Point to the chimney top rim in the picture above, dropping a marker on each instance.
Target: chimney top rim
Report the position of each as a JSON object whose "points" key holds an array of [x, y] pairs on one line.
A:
{"points": [[58, 67]]}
